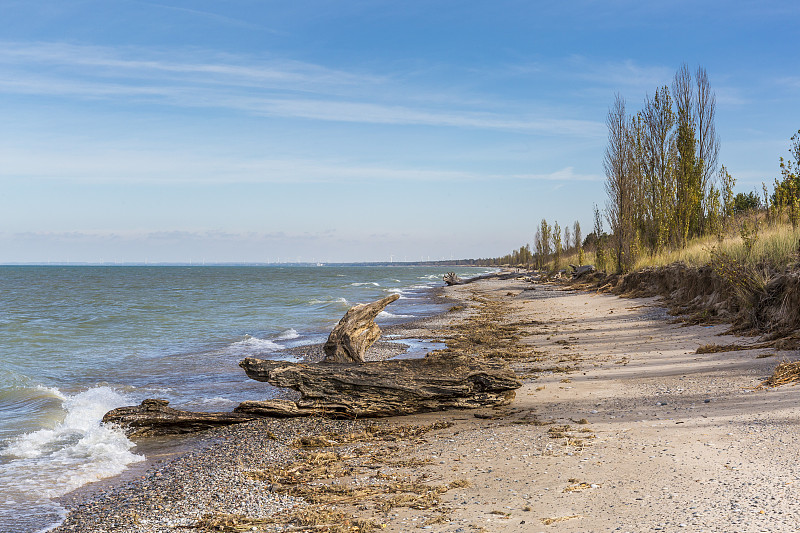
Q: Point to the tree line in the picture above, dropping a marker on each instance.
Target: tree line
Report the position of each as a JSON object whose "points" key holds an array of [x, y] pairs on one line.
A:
{"points": [[664, 183], [660, 165]]}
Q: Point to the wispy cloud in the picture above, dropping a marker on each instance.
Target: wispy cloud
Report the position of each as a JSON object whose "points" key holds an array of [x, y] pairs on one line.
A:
{"points": [[207, 15], [165, 236], [138, 168], [623, 75], [280, 88], [564, 175]]}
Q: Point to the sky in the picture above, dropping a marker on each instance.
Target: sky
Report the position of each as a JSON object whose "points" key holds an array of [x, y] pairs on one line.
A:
{"points": [[330, 131]]}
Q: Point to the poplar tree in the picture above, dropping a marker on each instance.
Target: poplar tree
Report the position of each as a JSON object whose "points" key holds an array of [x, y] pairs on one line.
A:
{"points": [[576, 235], [620, 185], [557, 245]]}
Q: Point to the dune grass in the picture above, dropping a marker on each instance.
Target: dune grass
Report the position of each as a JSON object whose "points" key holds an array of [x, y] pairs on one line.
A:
{"points": [[759, 244], [748, 241]]}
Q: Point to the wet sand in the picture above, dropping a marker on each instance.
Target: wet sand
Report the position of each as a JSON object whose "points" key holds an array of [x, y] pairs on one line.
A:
{"points": [[619, 426]]}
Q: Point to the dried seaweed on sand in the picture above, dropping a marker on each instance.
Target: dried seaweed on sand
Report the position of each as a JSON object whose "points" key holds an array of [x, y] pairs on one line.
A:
{"points": [[785, 372]]}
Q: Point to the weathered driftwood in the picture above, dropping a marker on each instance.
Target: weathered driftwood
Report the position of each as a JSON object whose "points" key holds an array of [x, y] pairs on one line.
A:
{"points": [[451, 278], [154, 417], [355, 332], [578, 271], [388, 388], [274, 409]]}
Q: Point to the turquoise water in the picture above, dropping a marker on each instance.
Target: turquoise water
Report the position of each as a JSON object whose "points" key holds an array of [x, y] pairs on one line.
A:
{"points": [[76, 342]]}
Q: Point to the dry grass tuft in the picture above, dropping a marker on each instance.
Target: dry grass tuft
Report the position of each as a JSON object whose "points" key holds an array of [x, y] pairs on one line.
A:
{"points": [[577, 485], [559, 432], [548, 521], [321, 520], [717, 348], [786, 372]]}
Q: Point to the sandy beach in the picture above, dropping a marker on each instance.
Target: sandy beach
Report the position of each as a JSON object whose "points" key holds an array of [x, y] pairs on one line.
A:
{"points": [[619, 426]]}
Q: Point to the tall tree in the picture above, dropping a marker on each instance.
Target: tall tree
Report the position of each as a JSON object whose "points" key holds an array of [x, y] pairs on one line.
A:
{"points": [[619, 183], [577, 237], [657, 142], [542, 243], [688, 167], [707, 140], [557, 246]]}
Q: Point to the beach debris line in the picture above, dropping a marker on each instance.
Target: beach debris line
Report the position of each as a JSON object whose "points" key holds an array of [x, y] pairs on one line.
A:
{"points": [[355, 332]]}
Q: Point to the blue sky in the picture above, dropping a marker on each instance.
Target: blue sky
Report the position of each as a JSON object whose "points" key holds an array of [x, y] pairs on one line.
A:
{"points": [[351, 130]]}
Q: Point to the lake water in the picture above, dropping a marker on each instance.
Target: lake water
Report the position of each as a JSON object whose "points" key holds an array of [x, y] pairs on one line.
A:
{"points": [[78, 341]]}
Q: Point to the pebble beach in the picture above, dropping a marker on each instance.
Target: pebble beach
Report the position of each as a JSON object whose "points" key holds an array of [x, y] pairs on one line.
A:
{"points": [[620, 425]]}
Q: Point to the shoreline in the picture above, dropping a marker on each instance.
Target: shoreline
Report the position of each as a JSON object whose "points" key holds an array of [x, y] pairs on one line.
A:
{"points": [[612, 387], [158, 450]]}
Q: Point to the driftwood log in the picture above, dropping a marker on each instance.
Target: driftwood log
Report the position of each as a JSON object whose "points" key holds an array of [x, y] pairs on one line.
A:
{"points": [[155, 417], [451, 278], [578, 271], [343, 385], [386, 388], [355, 332]]}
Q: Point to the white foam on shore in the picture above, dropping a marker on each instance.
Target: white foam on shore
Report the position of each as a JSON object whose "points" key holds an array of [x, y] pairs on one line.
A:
{"points": [[288, 335], [251, 343], [328, 302], [387, 314], [218, 402], [80, 449], [398, 291]]}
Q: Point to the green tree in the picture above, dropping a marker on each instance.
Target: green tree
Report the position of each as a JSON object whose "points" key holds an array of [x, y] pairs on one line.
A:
{"points": [[621, 184], [542, 244], [744, 203], [557, 246], [726, 182], [787, 191], [688, 166]]}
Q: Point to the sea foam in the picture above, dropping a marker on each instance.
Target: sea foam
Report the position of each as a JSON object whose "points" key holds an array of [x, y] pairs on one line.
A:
{"points": [[51, 462], [251, 343], [288, 335], [78, 450], [387, 314]]}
